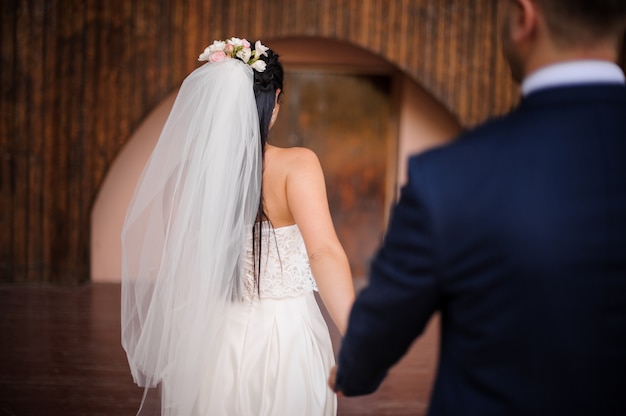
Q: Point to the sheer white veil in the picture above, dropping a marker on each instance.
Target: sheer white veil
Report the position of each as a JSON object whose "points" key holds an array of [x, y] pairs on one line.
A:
{"points": [[184, 236]]}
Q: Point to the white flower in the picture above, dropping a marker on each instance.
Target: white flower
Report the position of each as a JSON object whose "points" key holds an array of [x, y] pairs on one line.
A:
{"points": [[235, 42], [259, 49], [204, 56], [259, 65], [215, 47], [244, 54], [218, 45]]}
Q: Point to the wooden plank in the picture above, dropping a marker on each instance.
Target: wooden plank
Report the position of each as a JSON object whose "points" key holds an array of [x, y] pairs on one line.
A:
{"points": [[335, 20], [199, 9], [378, 13], [169, 42], [149, 46], [135, 64], [89, 62], [115, 98], [79, 198], [214, 26], [421, 52], [192, 46], [8, 31], [36, 12], [92, 108], [447, 61], [474, 57], [50, 114], [463, 99], [66, 193], [125, 119], [399, 52], [441, 53], [20, 142], [99, 97]]}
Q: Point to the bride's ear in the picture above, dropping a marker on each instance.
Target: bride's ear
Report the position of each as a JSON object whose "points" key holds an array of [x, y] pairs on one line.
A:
{"points": [[278, 91], [276, 108]]}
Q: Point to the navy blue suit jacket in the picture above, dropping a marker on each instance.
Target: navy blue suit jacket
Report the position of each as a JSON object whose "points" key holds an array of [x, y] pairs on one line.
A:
{"points": [[516, 234]]}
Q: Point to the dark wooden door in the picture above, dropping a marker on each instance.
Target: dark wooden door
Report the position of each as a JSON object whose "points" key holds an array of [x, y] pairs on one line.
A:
{"points": [[346, 119]]}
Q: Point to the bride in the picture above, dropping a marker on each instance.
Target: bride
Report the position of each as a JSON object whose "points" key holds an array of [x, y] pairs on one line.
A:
{"points": [[224, 242]]}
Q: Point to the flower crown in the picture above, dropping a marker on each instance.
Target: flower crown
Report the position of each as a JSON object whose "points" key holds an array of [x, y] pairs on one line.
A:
{"points": [[236, 48]]}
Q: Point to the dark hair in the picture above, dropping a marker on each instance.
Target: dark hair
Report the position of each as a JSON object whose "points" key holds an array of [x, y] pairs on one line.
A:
{"points": [[266, 84], [584, 20]]}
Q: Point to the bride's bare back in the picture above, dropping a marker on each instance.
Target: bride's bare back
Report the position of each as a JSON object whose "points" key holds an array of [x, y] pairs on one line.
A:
{"points": [[277, 164], [294, 192]]}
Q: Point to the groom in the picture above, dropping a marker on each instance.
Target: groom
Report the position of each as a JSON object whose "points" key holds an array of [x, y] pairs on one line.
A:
{"points": [[516, 234]]}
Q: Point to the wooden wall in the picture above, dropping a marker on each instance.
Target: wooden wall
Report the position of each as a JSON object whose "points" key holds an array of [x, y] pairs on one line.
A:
{"points": [[78, 76]]}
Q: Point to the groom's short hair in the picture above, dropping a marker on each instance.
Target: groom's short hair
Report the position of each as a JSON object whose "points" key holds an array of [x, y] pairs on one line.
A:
{"points": [[576, 21]]}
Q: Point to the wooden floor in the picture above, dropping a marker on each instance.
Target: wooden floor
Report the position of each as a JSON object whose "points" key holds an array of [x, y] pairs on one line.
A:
{"points": [[60, 354]]}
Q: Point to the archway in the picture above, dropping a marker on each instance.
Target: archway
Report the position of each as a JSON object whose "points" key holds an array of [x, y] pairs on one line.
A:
{"points": [[415, 121]]}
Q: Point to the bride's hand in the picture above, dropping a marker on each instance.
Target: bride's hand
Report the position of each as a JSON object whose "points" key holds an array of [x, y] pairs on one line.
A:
{"points": [[331, 380]]}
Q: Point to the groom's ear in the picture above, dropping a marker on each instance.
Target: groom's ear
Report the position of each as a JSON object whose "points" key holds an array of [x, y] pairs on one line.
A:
{"points": [[523, 20]]}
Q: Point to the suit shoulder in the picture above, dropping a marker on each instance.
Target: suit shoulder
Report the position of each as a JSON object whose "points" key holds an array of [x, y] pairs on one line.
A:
{"points": [[483, 138]]}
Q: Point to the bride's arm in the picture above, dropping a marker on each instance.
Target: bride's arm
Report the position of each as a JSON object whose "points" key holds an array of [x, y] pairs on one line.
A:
{"points": [[308, 203]]}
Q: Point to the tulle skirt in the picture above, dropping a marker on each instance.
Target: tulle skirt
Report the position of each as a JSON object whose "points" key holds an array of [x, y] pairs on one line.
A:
{"points": [[275, 360]]}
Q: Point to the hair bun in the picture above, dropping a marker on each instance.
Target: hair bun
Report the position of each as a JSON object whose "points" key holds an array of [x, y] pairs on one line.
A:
{"points": [[271, 78]]}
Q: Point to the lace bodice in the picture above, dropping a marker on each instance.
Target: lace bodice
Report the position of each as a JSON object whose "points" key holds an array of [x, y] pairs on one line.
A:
{"points": [[285, 268]]}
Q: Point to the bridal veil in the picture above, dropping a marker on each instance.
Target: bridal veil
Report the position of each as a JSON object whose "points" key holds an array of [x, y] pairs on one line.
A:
{"points": [[184, 236]]}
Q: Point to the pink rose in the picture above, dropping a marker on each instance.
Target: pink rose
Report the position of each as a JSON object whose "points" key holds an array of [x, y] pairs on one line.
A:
{"points": [[229, 47], [217, 56], [245, 42]]}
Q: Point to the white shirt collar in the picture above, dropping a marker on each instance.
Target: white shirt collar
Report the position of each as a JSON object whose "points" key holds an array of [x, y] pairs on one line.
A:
{"points": [[573, 73]]}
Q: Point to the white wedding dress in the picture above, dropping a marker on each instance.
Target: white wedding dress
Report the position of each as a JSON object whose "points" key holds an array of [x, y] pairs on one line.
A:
{"points": [[276, 352]]}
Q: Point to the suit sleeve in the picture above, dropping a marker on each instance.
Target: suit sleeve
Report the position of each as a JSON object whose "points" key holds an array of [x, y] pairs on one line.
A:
{"points": [[401, 296]]}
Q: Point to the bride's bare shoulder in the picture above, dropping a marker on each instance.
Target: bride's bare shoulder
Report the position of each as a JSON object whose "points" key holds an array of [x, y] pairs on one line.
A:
{"points": [[293, 158]]}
